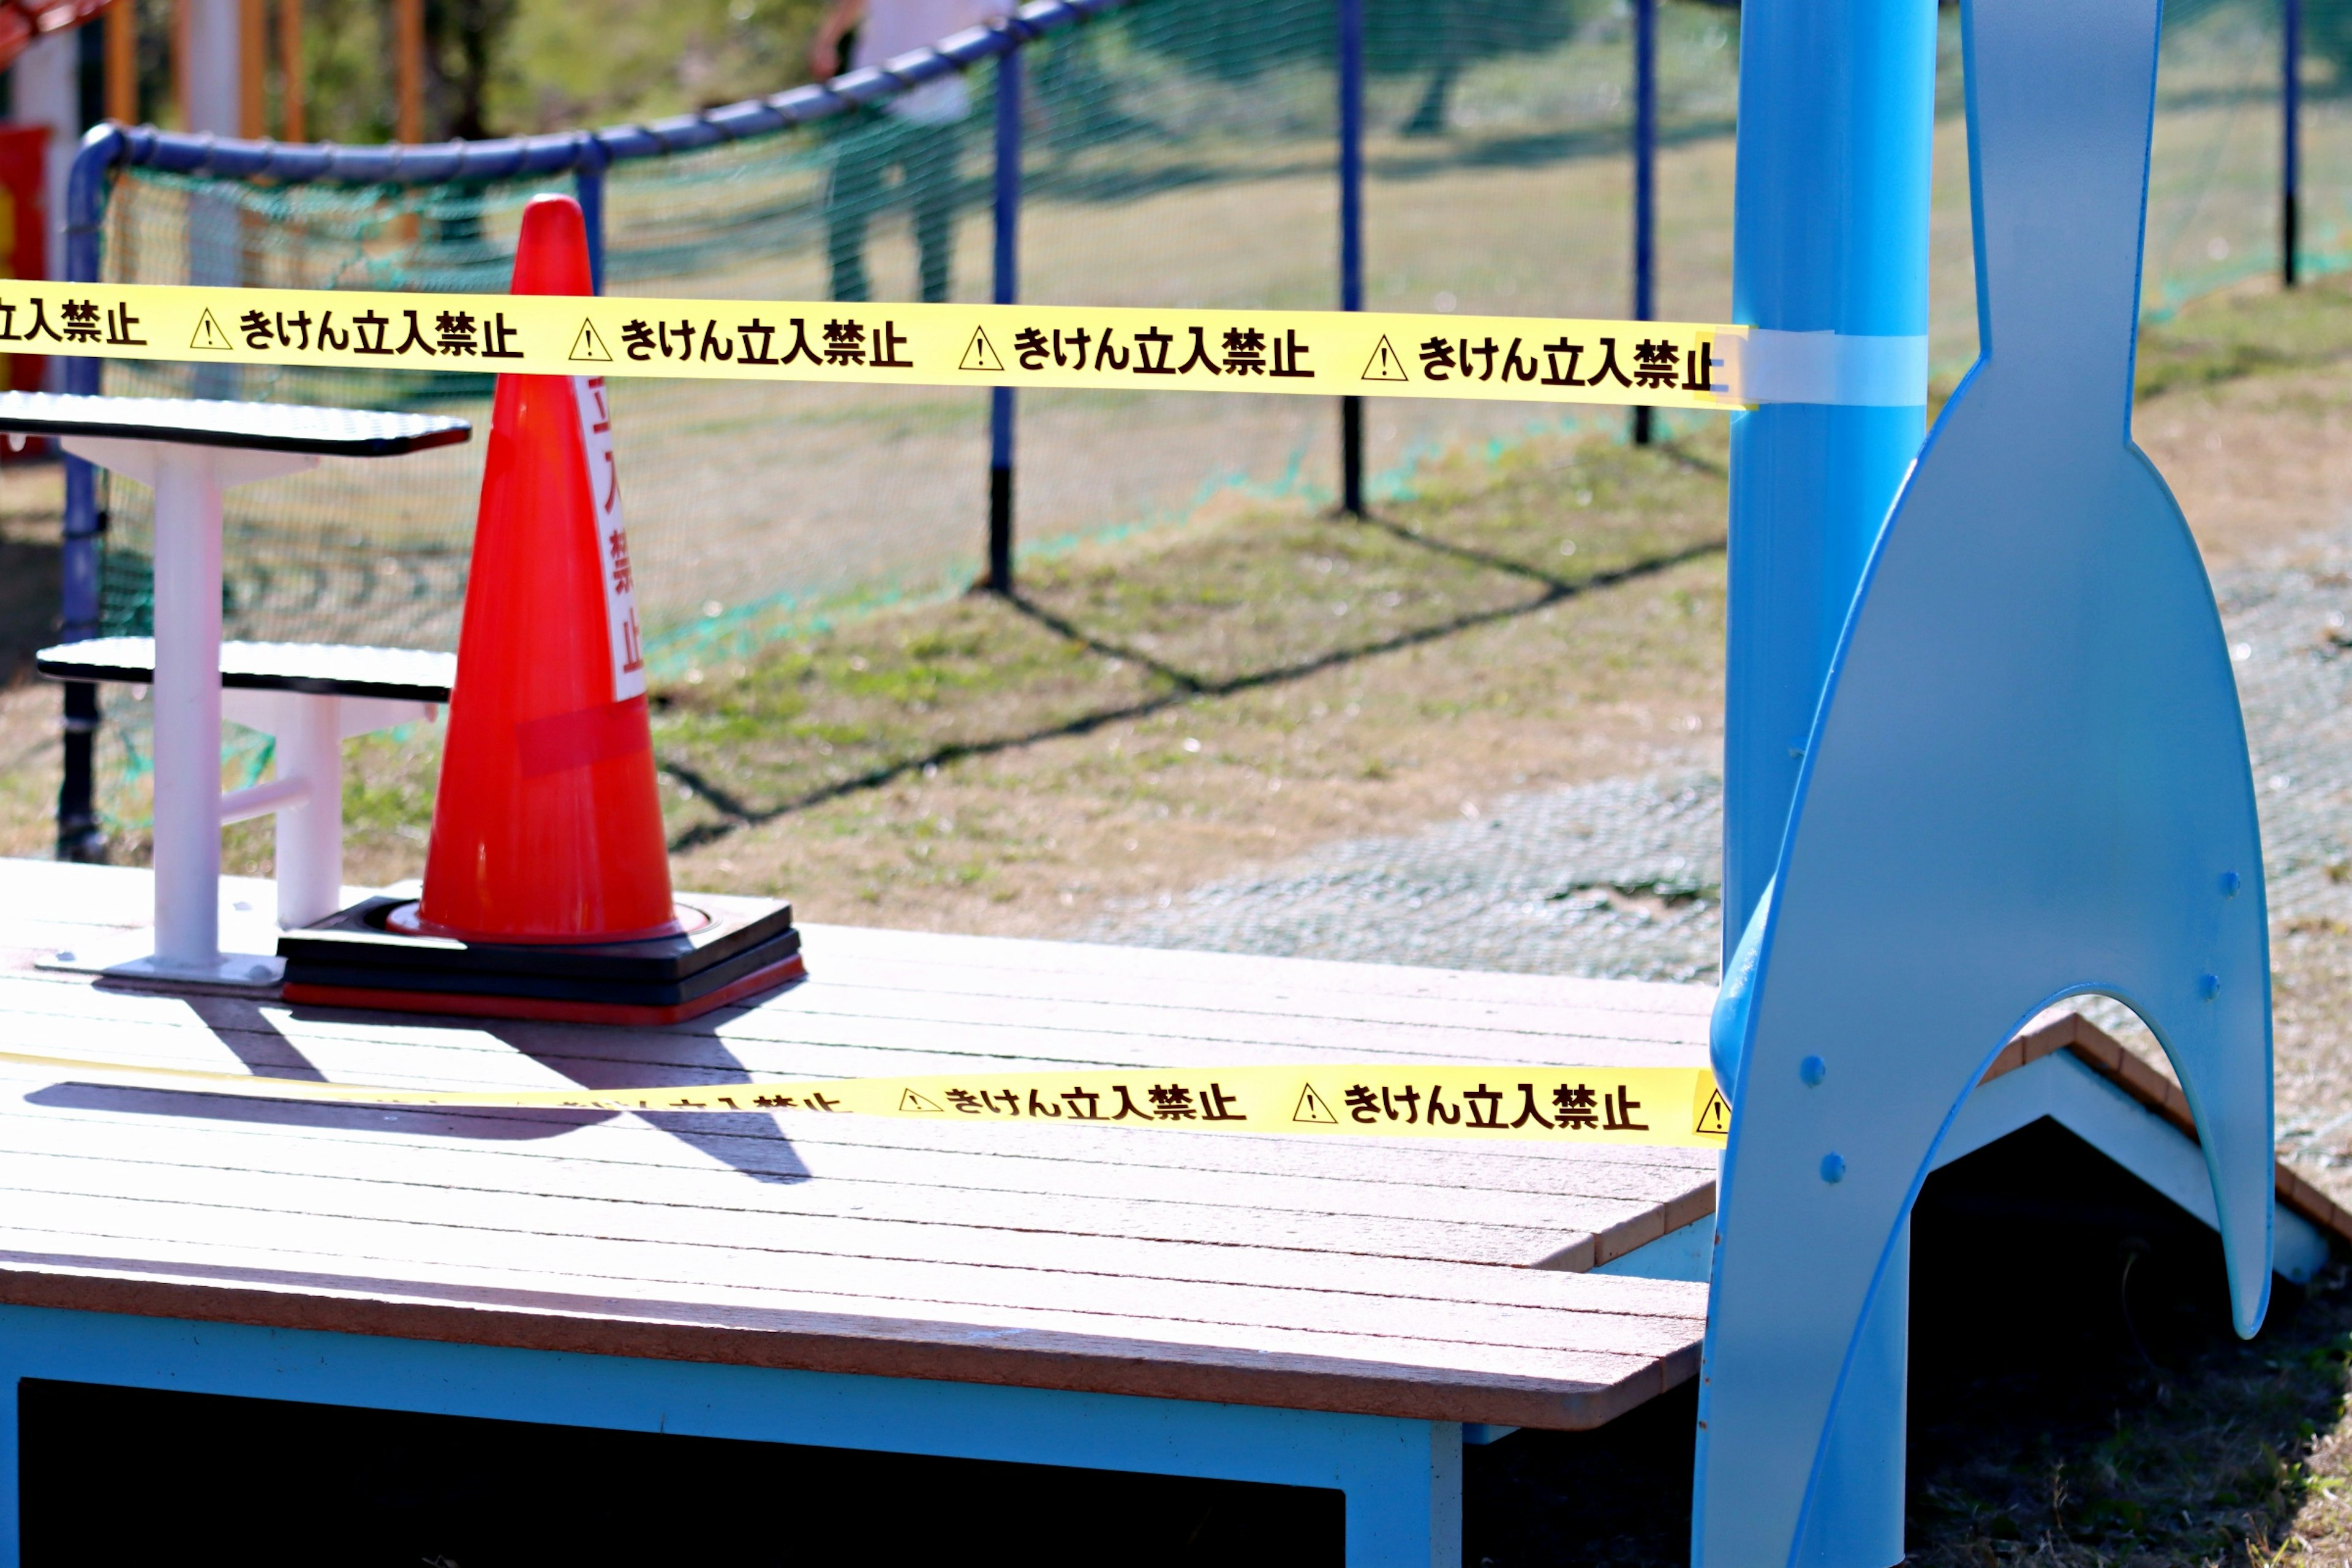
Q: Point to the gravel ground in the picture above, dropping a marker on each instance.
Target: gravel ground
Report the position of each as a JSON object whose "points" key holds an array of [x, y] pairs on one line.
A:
{"points": [[1619, 878]]}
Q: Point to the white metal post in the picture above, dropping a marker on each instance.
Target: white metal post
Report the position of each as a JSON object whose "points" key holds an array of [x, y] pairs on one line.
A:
{"points": [[311, 835], [187, 709], [188, 481]]}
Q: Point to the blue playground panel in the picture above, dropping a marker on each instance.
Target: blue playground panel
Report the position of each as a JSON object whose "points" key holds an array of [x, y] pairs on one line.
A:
{"points": [[2027, 779]]}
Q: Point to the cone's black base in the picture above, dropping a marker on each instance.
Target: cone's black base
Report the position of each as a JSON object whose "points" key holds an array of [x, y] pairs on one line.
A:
{"points": [[352, 959]]}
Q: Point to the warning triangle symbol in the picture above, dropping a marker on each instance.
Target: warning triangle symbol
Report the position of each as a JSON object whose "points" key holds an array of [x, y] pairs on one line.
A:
{"points": [[209, 335], [1312, 1109], [909, 1101], [588, 345], [1715, 1116], [1385, 365], [982, 353]]}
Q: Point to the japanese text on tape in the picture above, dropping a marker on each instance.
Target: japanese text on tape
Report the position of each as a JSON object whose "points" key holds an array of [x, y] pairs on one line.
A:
{"points": [[1587, 1105], [1674, 365]]}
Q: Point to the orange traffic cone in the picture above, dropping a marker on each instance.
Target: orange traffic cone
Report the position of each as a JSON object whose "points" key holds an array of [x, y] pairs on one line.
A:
{"points": [[548, 824], [548, 865]]}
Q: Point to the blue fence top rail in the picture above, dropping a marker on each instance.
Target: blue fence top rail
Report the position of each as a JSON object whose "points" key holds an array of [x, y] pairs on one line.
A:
{"points": [[584, 155], [580, 153]]}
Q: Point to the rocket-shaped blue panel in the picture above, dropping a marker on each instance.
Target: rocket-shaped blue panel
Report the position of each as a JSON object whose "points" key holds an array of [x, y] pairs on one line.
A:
{"points": [[2028, 779]]}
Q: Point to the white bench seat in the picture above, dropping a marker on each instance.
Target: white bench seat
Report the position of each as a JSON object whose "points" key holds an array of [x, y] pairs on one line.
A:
{"points": [[334, 669], [311, 697]]}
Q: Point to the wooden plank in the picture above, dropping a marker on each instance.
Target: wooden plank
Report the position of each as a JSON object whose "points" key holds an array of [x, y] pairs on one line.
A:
{"points": [[815, 1239], [889, 1045], [928, 1187], [1161, 1174], [1138, 1218], [1504, 1165], [70, 894], [631, 1249], [523, 1243], [1189, 968], [1106, 1034], [750, 1141], [1220, 1315], [1213, 993], [1569, 1237], [1469, 1036], [1474, 1235], [624, 1269], [979, 1244], [2106, 1056], [1238, 1319], [1386, 1276], [121, 897], [1558, 1392], [811, 1144], [225, 1035]]}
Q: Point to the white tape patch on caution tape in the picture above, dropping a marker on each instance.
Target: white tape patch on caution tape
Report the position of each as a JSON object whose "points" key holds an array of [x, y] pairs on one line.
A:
{"points": [[1645, 1106], [1839, 369], [1672, 365]]}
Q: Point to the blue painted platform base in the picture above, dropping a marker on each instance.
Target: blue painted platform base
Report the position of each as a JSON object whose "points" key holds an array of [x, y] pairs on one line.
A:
{"points": [[1402, 1478]]}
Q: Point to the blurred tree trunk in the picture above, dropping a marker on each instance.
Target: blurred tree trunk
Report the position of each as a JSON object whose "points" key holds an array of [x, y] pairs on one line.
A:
{"points": [[463, 42]]}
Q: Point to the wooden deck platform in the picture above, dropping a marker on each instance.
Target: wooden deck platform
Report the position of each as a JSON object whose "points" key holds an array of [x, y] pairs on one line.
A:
{"points": [[1434, 1282], [1323, 1313]]}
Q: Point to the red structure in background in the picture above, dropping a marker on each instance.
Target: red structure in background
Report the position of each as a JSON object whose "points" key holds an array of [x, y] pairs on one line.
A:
{"points": [[22, 21], [25, 252], [24, 225]]}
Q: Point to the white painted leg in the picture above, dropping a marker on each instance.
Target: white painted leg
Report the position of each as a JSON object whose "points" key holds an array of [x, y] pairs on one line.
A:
{"points": [[311, 835], [188, 481], [307, 795]]}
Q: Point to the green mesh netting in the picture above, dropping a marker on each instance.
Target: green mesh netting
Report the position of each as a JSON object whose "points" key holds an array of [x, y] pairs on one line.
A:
{"points": [[1178, 152]]}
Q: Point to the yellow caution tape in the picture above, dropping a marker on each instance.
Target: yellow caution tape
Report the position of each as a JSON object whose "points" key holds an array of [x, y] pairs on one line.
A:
{"points": [[1668, 364], [1674, 1106]]}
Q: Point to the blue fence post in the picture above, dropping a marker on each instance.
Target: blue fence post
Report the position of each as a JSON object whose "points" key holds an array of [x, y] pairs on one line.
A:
{"points": [[1002, 408], [78, 838], [1645, 179], [1351, 237], [2290, 139], [1829, 234], [588, 186]]}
